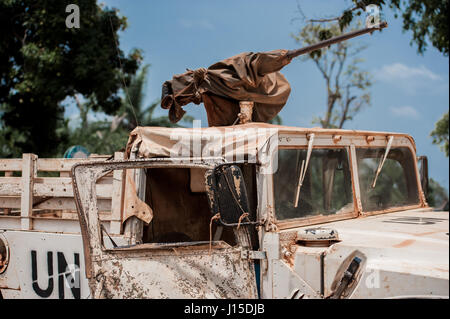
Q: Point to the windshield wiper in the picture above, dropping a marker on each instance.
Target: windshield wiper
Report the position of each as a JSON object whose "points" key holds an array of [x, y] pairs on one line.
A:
{"points": [[380, 165], [303, 169]]}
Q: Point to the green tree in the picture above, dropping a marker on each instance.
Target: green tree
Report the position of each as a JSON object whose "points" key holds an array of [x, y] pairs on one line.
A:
{"points": [[428, 20], [111, 135], [42, 62], [98, 138], [347, 85], [133, 112], [440, 133], [437, 196], [277, 120]]}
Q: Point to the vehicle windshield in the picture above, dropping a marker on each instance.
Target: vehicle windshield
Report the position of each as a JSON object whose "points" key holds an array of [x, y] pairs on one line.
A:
{"points": [[396, 184], [326, 189]]}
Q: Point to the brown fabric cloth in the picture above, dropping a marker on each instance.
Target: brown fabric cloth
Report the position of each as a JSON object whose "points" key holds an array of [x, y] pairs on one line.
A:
{"points": [[244, 77]]}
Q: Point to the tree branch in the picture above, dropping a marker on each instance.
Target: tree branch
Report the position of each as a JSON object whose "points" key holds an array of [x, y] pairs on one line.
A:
{"points": [[357, 7], [348, 101]]}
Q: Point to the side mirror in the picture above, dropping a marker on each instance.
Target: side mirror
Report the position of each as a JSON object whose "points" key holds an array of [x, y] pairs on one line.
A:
{"points": [[422, 162], [227, 195]]}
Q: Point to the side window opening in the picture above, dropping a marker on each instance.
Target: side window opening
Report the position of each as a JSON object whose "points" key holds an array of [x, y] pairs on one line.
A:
{"points": [[180, 207], [176, 199], [179, 215]]}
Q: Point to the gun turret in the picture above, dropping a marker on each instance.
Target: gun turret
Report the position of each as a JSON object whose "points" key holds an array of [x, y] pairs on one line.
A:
{"points": [[295, 53], [245, 77]]}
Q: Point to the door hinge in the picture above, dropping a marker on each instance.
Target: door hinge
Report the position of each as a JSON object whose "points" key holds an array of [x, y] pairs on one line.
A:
{"points": [[252, 254]]}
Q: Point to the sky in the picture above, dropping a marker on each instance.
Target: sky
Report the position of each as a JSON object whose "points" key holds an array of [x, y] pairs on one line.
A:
{"points": [[410, 91]]}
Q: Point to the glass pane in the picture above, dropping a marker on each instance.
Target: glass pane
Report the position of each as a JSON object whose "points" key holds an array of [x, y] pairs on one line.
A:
{"points": [[326, 189], [396, 184]]}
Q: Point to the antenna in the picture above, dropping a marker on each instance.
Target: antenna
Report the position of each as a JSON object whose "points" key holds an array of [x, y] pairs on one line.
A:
{"points": [[121, 72]]}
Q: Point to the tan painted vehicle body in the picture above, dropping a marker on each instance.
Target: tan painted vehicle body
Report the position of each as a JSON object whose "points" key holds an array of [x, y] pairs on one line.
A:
{"points": [[378, 242]]}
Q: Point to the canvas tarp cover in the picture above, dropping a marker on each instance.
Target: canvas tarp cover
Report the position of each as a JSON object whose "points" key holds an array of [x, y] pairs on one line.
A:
{"points": [[244, 77], [218, 142]]}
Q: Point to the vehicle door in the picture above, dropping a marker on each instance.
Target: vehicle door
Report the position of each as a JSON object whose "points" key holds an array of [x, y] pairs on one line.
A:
{"points": [[203, 269]]}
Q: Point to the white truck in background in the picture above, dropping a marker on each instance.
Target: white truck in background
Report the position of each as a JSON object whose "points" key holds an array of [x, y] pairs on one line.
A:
{"points": [[40, 243]]}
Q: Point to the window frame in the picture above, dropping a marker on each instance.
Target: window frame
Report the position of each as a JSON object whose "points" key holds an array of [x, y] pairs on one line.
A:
{"points": [[304, 221], [351, 142], [421, 196]]}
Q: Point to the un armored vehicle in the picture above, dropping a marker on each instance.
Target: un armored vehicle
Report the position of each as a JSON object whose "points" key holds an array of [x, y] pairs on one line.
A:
{"points": [[264, 210]]}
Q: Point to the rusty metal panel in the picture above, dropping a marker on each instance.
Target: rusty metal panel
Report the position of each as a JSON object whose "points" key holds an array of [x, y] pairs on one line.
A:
{"points": [[177, 273]]}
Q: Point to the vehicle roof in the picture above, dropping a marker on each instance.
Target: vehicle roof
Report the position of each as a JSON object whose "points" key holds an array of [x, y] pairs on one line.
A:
{"points": [[164, 141]]}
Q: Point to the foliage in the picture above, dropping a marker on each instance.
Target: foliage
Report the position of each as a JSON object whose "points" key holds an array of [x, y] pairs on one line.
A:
{"points": [[277, 120], [437, 195], [346, 84], [98, 138], [42, 62], [132, 111], [109, 136], [440, 133], [428, 20]]}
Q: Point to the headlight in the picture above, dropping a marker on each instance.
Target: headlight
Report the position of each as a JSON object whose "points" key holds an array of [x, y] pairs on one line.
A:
{"points": [[4, 254]]}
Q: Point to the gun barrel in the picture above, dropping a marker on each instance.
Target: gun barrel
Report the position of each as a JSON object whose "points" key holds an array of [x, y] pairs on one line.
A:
{"points": [[295, 53]]}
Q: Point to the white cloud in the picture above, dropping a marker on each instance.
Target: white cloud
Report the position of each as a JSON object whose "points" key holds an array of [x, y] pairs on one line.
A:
{"points": [[413, 80], [405, 111], [399, 71], [202, 24]]}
